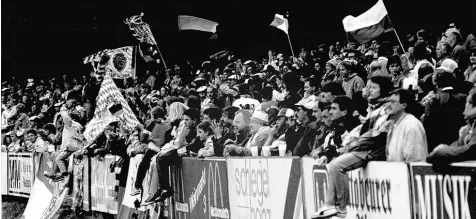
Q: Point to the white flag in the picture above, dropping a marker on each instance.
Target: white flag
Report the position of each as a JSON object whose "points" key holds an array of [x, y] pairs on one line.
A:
{"points": [[368, 25], [280, 22], [186, 22]]}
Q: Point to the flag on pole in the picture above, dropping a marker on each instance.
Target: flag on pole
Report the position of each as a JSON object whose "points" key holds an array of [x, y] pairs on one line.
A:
{"points": [[109, 95], [96, 57], [280, 22], [186, 22], [368, 25], [140, 29], [120, 64]]}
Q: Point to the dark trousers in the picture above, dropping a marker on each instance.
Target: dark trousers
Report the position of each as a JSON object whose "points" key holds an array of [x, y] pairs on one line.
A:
{"points": [[143, 167], [163, 163]]}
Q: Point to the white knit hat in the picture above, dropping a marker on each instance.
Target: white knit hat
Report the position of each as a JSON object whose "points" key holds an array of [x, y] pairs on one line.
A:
{"points": [[259, 117]]}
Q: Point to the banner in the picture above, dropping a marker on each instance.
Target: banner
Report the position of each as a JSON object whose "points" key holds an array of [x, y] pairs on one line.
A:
{"points": [[377, 193], [130, 206], [201, 189], [443, 193], [20, 174], [104, 186], [265, 188], [43, 203], [315, 182], [4, 177]]}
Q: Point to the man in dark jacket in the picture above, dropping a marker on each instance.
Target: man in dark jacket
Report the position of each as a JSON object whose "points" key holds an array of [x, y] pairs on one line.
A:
{"points": [[154, 135], [444, 114], [464, 148]]}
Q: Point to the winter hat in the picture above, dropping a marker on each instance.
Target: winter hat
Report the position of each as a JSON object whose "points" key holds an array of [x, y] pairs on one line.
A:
{"points": [[259, 117]]}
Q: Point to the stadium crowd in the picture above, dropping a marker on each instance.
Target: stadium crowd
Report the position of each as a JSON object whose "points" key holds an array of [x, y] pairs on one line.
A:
{"points": [[342, 105]]}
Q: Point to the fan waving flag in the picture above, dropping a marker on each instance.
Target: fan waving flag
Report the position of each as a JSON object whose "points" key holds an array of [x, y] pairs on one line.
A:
{"points": [[109, 95], [368, 25], [186, 22], [280, 22]]}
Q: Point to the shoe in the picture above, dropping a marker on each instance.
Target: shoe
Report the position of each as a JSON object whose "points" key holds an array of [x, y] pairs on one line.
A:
{"points": [[166, 193], [151, 199], [49, 175], [135, 191], [60, 176], [325, 212]]}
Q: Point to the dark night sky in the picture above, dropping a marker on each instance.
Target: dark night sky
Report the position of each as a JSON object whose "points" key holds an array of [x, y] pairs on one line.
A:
{"points": [[42, 38]]}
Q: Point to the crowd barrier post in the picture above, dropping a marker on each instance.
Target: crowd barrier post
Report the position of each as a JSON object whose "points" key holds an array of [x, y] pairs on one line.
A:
{"points": [[314, 179], [4, 177]]}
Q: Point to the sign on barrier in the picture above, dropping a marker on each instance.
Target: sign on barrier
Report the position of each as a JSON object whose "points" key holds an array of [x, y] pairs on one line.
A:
{"points": [[46, 196], [4, 177], [443, 193], [149, 185], [377, 193], [201, 189], [265, 188], [20, 174], [314, 178], [104, 186]]}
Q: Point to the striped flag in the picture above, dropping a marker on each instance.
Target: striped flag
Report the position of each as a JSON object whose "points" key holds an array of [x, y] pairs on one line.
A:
{"points": [[280, 22], [368, 25], [109, 94], [96, 57]]}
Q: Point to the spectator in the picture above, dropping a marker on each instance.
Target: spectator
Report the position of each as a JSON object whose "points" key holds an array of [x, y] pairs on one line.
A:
{"points": [[330, 91], [259, 134], [224, 130], [443, 113], [464, 148], [407, 139], [35, 143], [309, 88], [443, 51], [241, 123], [205, 135], [367, 147], [155, 136], [276, 137], [352, 84], [72, 141], [169, 154]]}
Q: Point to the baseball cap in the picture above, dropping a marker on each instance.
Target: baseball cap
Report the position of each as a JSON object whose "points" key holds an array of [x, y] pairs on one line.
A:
{"points": [[202, 89], [448, 65], [308, 105], [286, 112]]}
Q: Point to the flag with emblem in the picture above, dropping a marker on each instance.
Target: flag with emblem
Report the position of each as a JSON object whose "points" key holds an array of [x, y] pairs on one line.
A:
{"points": [[280, 22], [120, 64], [109, 95]]}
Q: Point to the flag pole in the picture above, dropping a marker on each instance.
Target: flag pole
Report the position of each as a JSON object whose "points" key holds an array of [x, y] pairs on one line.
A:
{"points": [[161, 57], [290, 45], [398, 38]]}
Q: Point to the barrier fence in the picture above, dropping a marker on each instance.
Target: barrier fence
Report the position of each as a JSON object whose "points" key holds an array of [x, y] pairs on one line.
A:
{"points": [[251, 187]]}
